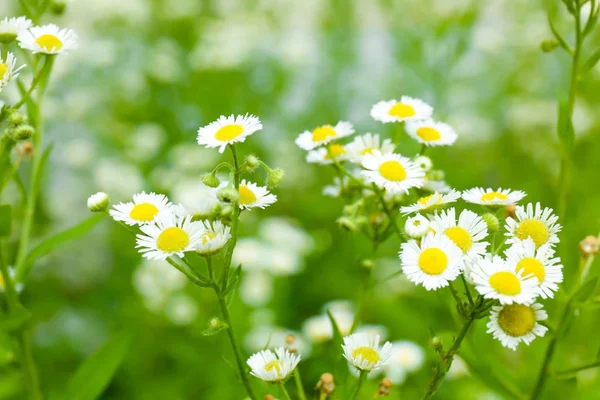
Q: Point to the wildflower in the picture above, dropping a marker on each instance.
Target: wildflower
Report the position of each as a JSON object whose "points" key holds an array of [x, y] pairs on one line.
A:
{"points": [[432, 202], [364, 353], [275, 177], [538, 224], [467, 233], [213, 238], [327, 155], [424, 162], [392, 172], [169, 234], [416, 227], [433, 263], [491, 197], [589, 246], [431, 133], [8, 70], [252, 196], [407, 108], [435, 185], [324, 134], [143, 209], [228, 130], [273, 366], [406, 357], [512, 324], [98, 202], [10, 28], [365, 144], [23, 132], [211, 180], [48, 39], [326, 385]]}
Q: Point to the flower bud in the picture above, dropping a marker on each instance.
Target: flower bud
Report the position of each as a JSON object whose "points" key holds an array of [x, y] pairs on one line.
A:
{"points": [[436, 343], [25, 149], [215, 323], [252, 161], [269, 397], [348, 224], [367, 263], [16, 118], [416, 227], [548, 45], [589, 246], [424, 162], [385, 387], [275, 177], [23, 132], [226, 211], [511, 211], [492, 222], [58, 7], [228, 195], [211, 180], [326, 384], [98, 202]]}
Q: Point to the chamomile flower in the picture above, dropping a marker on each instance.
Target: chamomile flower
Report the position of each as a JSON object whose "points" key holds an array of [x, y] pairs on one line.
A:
{"points": [[10, 28], [416, 227], [535, 223], [467, 233], [327, 155], [512, 324], [407, 108], [48, 39], [143, 210], [431, 133], [394, 173], [213, 238], [273, 366], [494, 278], [540, 262], [433, 263], [227, 130], [364, 353], [324, 134], [169, 234], [491, 197], [431, 202], [365, 144], [252, 196], [8, 69]]}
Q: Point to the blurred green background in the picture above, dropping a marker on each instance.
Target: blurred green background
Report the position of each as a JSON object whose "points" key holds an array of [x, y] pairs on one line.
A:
{"points": [[123, 111]]}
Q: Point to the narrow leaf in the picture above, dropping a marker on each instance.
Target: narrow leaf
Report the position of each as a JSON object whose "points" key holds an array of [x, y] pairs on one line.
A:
{"points": [[5, 220], [233, 280], [591, 62], [586, 290]]}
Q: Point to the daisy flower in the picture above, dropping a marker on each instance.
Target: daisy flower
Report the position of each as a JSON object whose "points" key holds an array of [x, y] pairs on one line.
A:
{"points": [[538, 224], [273, 366], [10, 28], [392, 172], [364, 353], [365, 144], [431, 133], [540, 262], [48, 39], [512, 324], [467, 233], [433, 186], [406, 108], [432, 263], [494, 278], [143, 210], [335, 189], [98, 202], [252, 196], [416, 227], [8, 70], [491, 197], [324, 134], [406, 357], [170, 234], [227, 130], [323, 155], [213, 238], [431, 202]]}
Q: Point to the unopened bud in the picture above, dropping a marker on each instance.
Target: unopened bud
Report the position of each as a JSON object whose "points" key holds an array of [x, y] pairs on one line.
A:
{"points": [[25, 149], [436, 342], [211, 180], [23, 132], [424, 162], [290, 343], [226, 211], [589, 246], [492, 222], [228, 195], [215, 323], [511, 211], [275, 177], [548, 45], [58, 7], [326, 384], [347, 223], [416, 227], [16, 118], [385, 387], [98, 202], [252, 161], [269, 397], [367, 263]]}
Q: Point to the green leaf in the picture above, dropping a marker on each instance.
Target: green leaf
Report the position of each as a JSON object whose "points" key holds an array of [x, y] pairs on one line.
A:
{"points": [[5, 220], [96, 372], [591, 62], [566, 134], [586, 290], [233, 280], [15, 319]]}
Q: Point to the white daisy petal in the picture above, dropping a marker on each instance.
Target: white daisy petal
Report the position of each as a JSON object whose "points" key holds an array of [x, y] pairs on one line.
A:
{"points": [[324, 134], [407, 108], [143, 210], [214, 237], [48, 39], [535, 223], [323, 155], [365, 144], [8, 70], [392, 172], [364, 353], [226, 130], [491, 197], [431, 133], [512, 324], [10, 28], [252, 196], [416, 227], [431, 202], [467, 233], [273, 366]]}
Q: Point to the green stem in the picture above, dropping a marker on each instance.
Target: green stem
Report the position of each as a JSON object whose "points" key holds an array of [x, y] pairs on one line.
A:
{"points": [[300, 388], [361, 380], [235, 220], [388, 212], [42, 72], [284, 391], [569, 371], [467, 291]]}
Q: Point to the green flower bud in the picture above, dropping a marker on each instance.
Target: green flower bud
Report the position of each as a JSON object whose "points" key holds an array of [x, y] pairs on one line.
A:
{"points": [[436, 343], [23, 132], [424, 162], [367, 263], [228, 195], [548, 45], [226, 211], [348, 224], [58, 7], [211, 180], [215, 323], [275, 177], [16, 118], [492, 222], [252, 161], [98, 202]]}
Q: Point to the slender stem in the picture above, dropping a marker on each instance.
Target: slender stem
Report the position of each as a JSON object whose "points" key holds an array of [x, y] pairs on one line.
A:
{"points": [[361, 380], [467, 291], [388, 212], [284, 391], [300, 388], [457, 298], [11, 294], [36, 80], [594, 364], [234, 222]]}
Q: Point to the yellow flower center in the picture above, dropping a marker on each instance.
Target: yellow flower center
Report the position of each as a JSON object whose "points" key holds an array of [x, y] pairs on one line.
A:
{"points": [[491, 196], [433, 261], [461, 237], [143, 212], [402, 110], [425, 199], [49, 42], [247, 196], [3, 69], [392, 171], [532, 266], [207, 236], [323, 132], [172, 239], [505, 283], [366, 150], [336, 150], [428, 134], [534, 229], [229, 132], [516, 319], [274, 365], [366, 353]]}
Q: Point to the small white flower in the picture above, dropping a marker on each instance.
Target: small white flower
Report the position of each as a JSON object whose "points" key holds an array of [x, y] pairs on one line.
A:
{"points": [[227, 130], [435, 186], [324, 134], [407, 108], [364, 353], [323, 155], [143, 210], [538, 224], [512, 324], [98, 202], [48, 39], [406, 357], [10, 28], [433, 263], [431, 202], [365, 144], [8, 70], [431, 133], [491, 197], [273, 366], [424, 162], [494, 278], [467, 233], [540, 262], [213, 238], [416, 227], [394, 173], [252, 196], [169, 234]]}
